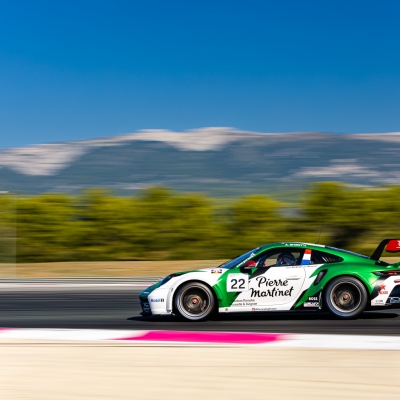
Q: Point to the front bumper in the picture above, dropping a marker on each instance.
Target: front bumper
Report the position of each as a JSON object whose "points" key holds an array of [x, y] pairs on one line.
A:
{"points": [[146, 309], [155, 303]]}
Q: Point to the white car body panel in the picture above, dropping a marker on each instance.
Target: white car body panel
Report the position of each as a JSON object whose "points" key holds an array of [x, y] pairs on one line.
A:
{"points": [[161, 299], [386, 286]]}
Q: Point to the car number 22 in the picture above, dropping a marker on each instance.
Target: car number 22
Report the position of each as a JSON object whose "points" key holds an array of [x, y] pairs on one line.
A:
{"points": [[237, 283]]}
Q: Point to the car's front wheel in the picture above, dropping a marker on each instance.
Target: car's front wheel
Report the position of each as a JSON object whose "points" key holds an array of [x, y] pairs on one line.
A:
{"points": [[346, 297], [194, 301]]}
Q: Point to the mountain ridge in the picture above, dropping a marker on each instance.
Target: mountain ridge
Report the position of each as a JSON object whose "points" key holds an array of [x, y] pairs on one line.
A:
{"points": [[206, 159]]}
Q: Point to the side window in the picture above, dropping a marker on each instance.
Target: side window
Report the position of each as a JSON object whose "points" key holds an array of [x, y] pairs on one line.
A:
{"points": [[280, 257], [321, 257]]}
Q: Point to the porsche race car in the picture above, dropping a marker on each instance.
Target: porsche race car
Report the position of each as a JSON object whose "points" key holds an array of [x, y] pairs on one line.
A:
{"points": [[278, 277]]}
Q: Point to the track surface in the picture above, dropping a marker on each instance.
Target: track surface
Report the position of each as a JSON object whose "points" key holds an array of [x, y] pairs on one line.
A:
{"points": [[119, 308]]}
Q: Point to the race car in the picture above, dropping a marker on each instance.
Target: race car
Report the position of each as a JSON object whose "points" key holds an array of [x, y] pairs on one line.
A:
{"points": [[280, 277]]}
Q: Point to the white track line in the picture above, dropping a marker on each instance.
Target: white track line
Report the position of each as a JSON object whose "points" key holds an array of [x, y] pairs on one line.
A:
{"points": [[339, 342]]}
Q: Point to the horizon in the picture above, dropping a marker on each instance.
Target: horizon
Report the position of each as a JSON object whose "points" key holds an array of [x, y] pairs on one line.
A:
{"points": [[205, 130]]}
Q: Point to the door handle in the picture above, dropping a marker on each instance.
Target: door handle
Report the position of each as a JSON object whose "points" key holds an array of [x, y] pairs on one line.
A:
{"points": [[293, 278]]}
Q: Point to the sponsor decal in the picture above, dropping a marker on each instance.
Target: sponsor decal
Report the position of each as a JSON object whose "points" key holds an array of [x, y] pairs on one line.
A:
{"points": [[313, 298], [216, 271], [272, 288], [378, 301], [263, 309], [311, 304], [394, 300], [237, 283], [157, 300], [306, 257], [295, 245], [383, 289], [244, 303]]}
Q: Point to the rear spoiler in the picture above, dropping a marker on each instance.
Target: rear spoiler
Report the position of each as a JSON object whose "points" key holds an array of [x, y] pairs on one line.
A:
{"points": [[393, 246]]}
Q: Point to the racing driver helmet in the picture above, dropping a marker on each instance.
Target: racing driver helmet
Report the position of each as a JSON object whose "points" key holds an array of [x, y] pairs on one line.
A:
{"points": [[286, 259]]}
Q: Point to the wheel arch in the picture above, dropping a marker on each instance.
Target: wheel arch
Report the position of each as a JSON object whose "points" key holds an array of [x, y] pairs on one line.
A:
{"points": [[360, 279], [194, 281]]}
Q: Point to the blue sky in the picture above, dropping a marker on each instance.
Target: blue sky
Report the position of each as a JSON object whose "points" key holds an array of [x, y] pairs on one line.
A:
{"points": [[82, 69]]}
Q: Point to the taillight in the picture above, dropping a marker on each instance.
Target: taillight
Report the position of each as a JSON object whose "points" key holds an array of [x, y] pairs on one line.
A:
{"points": [[387, 273]]}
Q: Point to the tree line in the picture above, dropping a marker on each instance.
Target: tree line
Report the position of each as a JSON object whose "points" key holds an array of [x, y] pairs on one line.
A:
{"points": [[160, 224]]}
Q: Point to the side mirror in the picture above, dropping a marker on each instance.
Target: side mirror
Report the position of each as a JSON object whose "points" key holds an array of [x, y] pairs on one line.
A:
{"points": [[249, 265]]}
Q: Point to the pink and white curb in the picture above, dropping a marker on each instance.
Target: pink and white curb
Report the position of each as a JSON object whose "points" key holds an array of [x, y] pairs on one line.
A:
{"points": [[206, 338]]}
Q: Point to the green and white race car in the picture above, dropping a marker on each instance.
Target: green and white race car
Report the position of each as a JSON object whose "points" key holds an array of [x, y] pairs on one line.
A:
{"points": [[278, 277]]}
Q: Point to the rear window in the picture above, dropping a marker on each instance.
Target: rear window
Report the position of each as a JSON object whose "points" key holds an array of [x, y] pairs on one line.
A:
{"points": [[321, 257], [347, 252]]}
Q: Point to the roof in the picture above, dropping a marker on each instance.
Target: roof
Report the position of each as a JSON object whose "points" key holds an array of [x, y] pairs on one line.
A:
{"points": [[315, 246]]}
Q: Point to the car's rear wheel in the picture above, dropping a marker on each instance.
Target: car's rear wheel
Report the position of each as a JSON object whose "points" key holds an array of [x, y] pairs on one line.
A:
{"points": [[346, 297], [194, 301]]}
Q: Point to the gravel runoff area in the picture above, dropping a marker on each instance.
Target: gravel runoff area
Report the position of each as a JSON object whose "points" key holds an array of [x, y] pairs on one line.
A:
{"points": [[54, 370]]}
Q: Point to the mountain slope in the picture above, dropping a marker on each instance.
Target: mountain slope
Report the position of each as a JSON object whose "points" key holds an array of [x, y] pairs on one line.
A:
{"points": [[219, 161]]}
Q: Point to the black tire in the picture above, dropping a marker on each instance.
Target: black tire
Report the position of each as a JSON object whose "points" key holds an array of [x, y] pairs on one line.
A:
{"points": [[195, 301], [346, 297]]}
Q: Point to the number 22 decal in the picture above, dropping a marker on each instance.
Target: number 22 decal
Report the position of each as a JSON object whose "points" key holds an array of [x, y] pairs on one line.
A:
{"points": [[237, 283]]}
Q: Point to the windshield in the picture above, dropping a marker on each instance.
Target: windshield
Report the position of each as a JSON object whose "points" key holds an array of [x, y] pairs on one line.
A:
{"points": [[237, 260]]}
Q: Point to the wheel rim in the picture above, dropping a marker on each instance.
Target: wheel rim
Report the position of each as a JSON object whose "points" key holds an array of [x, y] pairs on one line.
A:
{"points": [[346, 297], [194, 302]]}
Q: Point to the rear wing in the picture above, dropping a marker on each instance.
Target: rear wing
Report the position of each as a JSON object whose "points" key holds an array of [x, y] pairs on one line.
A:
{"points": [[392, 246]]}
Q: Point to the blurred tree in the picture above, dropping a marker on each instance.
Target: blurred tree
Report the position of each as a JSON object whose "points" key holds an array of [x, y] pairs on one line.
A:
{"points": [[100, 223], [340, 211], [254, 220], [173, 226], [352, 217], [7, 230], [162, 224], [44, 228]]}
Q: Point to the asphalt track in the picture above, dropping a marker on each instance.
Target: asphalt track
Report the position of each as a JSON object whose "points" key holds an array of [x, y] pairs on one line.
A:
{"points": [[117, 307]]}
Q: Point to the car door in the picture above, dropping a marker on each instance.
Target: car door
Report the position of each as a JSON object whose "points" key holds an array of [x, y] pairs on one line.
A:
{"points": [[273, 282], [279, 277]]}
